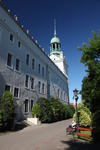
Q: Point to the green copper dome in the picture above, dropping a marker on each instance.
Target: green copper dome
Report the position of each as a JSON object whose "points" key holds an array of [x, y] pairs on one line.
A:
{"points": [[55, 40]]}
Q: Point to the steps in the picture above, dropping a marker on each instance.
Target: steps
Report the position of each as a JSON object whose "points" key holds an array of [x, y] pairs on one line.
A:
{"points": [[34, 121]]}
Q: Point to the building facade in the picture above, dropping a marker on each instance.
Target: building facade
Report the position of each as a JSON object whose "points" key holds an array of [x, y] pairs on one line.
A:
{"points": [[25, 68]]}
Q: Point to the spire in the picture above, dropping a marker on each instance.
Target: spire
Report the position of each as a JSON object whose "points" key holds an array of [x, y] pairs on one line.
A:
{"points": [[54, 27]]}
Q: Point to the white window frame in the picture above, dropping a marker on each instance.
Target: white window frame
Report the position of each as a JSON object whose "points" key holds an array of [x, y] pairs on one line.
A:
{"points": [[14, 91]]}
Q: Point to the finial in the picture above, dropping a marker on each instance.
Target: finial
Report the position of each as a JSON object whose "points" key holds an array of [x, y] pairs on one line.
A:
{"points": [[54, 27]]}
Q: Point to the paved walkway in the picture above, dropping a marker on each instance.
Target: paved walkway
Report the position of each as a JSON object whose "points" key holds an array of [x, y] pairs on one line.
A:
{"points": [[43, 137]]}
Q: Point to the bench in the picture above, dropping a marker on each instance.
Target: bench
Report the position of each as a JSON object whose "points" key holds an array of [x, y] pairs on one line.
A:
{"points": [[79, 134]]}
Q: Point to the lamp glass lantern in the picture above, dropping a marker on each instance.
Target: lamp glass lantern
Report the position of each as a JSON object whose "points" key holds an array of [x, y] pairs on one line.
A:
{"points": [[75, 92]]}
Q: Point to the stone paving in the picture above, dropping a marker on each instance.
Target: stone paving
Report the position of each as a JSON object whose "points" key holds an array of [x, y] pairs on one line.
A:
{"points": [[44, 137]]}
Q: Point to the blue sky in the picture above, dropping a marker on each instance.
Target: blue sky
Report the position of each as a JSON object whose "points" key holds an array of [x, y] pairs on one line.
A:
{"points": [[75, 19]]}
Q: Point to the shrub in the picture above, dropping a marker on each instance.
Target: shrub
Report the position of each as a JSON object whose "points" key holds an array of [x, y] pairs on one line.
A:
{"points": [[68, 111], [84, 117], [57, 108], [96, 125], [51, 110], [6, 111], [36, 110], [71, 110], [82, 107], [46, 111]]}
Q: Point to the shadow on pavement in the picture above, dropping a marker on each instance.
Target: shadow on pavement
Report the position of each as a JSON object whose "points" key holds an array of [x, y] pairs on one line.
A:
{"points": [[81, 145], [20, 126]]}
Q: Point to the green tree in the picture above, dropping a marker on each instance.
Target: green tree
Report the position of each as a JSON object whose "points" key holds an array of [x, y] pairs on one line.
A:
{"points": [[46, 111], [86, 91], [6, 111], [91, 83], [68, 111], [84, 116], [96, 125], [36, 111], [57, 108]]}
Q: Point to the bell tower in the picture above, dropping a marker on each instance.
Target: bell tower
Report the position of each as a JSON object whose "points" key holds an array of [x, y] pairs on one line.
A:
{"points": [[55, 46], [56, 54]]}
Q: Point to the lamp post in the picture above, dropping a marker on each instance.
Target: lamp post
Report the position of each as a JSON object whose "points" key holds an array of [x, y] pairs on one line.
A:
{"points": [[76, 99]]}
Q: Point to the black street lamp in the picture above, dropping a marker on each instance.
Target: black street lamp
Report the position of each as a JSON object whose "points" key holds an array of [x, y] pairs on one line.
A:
{"points": [[76, 99]]}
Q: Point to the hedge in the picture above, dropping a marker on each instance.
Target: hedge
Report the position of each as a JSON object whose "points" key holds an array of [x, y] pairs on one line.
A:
{"points": [[52, 110]]}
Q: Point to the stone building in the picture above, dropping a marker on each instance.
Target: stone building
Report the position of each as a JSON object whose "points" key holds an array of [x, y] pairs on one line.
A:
{"points": [[25, 68]]}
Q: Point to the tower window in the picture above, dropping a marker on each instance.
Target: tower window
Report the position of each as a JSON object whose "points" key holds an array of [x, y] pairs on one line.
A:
{"points": [[27, 59], [57, 46], [53, 46], [9, 59]]}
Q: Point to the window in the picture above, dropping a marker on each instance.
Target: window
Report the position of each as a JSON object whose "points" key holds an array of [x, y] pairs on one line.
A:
{"points": [[33, 63], [32, 103], [26, 105], [9, 60], [39, 68], [64, 96], [58, 93], [16, 92], [7, 87], [43, 88], [27, 59], [53, 46], [26, 81], [57, 46], [42, 71], [32, 83], [11, 37], [17, 64], [61, 96], [39, 86], [19, 44]]}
